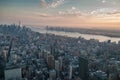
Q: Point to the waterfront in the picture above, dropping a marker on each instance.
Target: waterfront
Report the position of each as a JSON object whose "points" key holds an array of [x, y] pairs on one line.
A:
{"points": [[101, 38]]}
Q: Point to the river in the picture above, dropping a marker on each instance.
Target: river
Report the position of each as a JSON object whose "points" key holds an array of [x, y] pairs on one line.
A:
{"points": [[101, 38]]}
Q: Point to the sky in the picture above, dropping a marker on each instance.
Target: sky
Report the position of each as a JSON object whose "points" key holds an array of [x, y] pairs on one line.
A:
{"points": [[65, 13]]}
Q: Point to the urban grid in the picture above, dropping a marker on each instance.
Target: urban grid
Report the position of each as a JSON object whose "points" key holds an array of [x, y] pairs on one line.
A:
{"points": [[29, 55]]}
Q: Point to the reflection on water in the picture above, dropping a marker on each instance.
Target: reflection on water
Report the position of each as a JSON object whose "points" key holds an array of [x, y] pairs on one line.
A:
{"points": [[101, 38]]}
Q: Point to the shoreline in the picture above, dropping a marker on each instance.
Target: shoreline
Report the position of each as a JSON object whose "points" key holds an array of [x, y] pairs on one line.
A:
{"points": [[106, 33]]}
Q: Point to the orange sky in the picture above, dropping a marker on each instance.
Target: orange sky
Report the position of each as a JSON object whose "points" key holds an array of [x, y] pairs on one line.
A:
{"points": [[69, 13]]}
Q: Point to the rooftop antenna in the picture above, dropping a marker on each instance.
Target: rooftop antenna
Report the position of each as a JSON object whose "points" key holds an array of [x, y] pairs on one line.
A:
{"points": [[20, 24]]}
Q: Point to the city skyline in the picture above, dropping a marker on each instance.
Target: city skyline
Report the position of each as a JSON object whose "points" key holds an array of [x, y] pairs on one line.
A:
{"points": [[70, 13]]}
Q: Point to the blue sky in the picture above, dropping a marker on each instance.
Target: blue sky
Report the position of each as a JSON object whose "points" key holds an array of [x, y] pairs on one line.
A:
{"points": [[61, 12]]}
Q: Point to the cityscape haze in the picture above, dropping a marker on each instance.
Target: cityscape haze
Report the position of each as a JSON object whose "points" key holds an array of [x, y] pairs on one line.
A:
{"points": [[59, 39]]}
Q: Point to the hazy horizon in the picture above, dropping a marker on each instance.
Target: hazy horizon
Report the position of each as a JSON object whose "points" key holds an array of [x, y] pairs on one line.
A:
{"points": [[99, 14]]}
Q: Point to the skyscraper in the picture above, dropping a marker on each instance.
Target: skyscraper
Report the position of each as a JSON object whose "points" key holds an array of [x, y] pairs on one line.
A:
{"points": [[57, 66], [60, 62], [52, 74], [2, 65], [14, 73], [70, 72], [20, 23], [83, 68], [10, 46], [51, 62]]}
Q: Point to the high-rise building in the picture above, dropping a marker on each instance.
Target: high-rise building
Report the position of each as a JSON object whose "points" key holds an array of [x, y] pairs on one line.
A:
{"points": [[5, 54], [2, 65], [57, 66], [51, 61], [83, 68], [10, 46], [47, 56], [70, 72], [60, 62], [20, 23], [14, 73], [52, 74]]}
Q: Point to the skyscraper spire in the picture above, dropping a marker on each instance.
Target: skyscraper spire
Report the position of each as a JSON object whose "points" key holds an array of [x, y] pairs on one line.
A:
{"points": [[20, 23], [8, 55]]}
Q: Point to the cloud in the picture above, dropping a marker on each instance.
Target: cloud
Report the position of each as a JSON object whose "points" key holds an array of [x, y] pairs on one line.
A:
{"points": [[71, 12], [43, 3], [73, 8], [51, 3], [104, 1], [110, 2], [104, 11], [57, 3], [44, 15]]}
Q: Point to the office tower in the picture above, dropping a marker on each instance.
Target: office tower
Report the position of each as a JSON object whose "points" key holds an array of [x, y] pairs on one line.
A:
{"points": [[51, 61], [60, 62], [57, 68], [70, 72], [54, 49], [10, 47], [47, 56], [2, 65], [5, 55], [13, 73], [52, 74], [83, 68]]}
